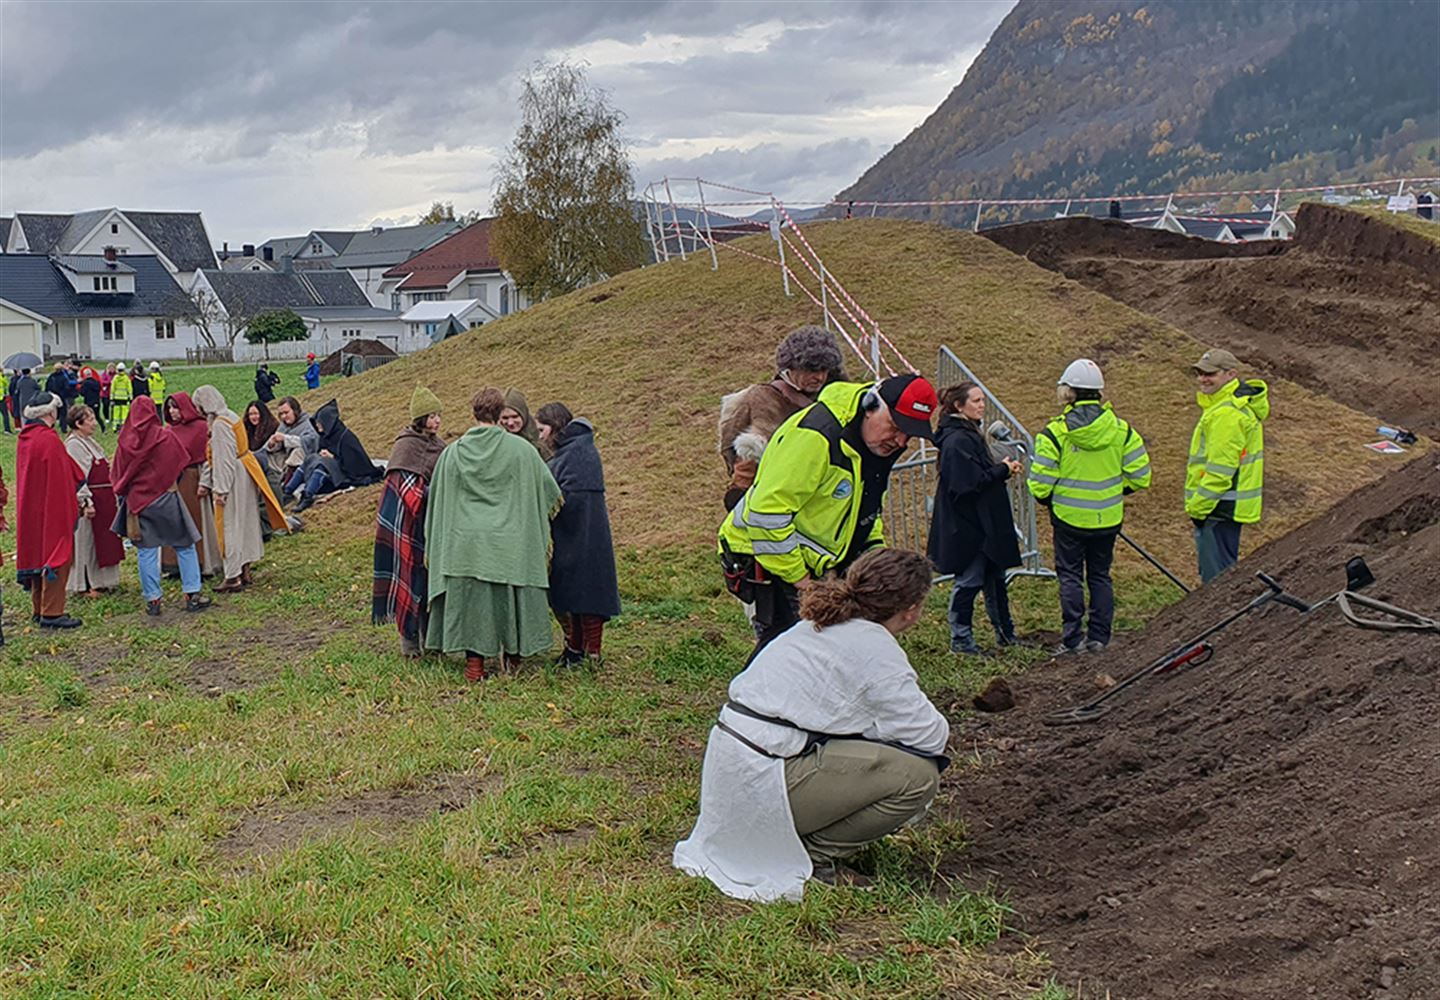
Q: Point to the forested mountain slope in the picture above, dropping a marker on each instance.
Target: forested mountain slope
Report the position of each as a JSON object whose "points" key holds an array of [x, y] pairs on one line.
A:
{"points": [[1089, 97]]}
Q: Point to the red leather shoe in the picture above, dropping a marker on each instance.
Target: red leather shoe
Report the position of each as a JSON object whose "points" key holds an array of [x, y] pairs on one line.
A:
{"points": [[474, 669]]}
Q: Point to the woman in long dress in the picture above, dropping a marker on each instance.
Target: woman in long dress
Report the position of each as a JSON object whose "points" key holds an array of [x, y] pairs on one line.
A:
{"points": [[488, 526], [232, 487], [190, 427], [98, 550], [401, 583]]}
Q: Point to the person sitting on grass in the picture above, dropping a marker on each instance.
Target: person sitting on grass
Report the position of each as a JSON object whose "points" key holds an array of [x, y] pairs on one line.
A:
{"points": [[342, 461], [298, 441], [827, 742], [584, 593], [149, 461]]}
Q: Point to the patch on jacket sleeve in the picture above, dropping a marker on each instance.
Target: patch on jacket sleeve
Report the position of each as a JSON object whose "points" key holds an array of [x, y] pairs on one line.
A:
{"points": [[843, 489], [750, 445]]}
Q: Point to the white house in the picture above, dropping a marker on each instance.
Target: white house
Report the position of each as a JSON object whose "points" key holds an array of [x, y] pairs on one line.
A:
{"points": [[177, 239], [333, 306], [21, 329], [366, 254], [460, 268], [107, 306], [429, 323]]}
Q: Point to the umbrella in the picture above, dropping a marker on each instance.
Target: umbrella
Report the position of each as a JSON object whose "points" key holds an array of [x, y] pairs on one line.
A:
{"points": [[23, 360]]}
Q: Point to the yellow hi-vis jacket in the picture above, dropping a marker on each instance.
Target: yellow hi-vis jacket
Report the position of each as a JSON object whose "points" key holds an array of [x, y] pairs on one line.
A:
{"points": [[1226, 470], [156, 381], [120, 388], [800, 514], [1085, 461]]}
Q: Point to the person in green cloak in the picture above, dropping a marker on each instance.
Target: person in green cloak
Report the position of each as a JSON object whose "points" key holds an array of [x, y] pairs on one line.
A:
{"points": [[488, 526]]}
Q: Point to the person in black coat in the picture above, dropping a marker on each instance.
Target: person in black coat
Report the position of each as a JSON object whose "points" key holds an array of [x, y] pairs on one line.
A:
{"points": [[23, 388], [265, 382], [584, 593], [59, 386], [340, 462], [972, 533], [90, 392]]}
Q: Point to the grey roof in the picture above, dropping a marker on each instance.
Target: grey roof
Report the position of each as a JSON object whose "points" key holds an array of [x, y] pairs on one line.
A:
{"points": [[348, 312], [5, 232], [284, 244], [35, 282], [388, 247], [42, 231], [251, 291], [1204, 228], [92, 265], [79, 226], [180, 236], [239, 262], [335, 239]]}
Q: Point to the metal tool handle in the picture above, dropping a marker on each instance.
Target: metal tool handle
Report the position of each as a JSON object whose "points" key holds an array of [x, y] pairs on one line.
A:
{"points": [[1277, 594]]}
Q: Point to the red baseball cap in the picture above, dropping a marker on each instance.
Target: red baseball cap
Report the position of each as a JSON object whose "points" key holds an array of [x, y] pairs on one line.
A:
{"points": [[310, 357], [912, 403]]}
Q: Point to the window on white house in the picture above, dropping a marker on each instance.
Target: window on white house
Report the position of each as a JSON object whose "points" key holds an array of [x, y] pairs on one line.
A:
{"points": [[480, 291], [316, 247], [114, 228], [426, 297], [504, 300], [97, 283], [164, 329], [430, 329], [113, 329], [395, 301]]}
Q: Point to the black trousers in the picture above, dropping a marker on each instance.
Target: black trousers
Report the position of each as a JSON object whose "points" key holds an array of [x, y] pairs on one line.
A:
{"points": [[1081, 559], [777, 607]]}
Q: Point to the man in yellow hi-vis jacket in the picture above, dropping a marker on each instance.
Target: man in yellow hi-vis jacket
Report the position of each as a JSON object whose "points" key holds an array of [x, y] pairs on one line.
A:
{"points": [[1226, 469], [815, 503]]}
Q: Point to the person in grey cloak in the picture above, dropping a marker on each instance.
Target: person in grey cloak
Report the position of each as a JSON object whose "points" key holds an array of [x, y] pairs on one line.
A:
{"points": [[583, 593], [298, 441]]}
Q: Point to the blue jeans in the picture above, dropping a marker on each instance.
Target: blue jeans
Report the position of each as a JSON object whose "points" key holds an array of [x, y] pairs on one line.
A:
{"points": [[316, 483], [149, 560], [981, 576]]}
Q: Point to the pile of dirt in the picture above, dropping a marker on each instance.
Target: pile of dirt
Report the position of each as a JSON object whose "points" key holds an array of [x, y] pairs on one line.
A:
{"points": [[1347, 308], [362, 348], [1260, 826]]}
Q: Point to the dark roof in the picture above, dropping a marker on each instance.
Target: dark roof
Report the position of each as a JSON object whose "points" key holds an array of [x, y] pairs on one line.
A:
{"points": [[281, 245], [251, 291], [5, 232], [391, 246], [1204, 228], [92, 265], [35, 282], [180, 236], [467, 250], [42, 231], [347, 312], [335, 239]]}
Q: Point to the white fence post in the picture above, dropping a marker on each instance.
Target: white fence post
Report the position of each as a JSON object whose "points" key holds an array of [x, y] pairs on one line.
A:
{"points": [[675, 217], [779, 243], [709, 235]]}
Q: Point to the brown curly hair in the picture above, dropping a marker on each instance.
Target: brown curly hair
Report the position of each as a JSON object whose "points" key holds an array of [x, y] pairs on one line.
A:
{"points": [[881, 584]]}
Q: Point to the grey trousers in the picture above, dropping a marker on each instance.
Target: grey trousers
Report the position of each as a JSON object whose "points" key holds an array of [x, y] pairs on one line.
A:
{"points": [[1217, 547], [846, 793]]}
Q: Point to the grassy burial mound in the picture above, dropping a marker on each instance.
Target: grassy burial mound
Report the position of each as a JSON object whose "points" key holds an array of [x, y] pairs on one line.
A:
{"points": [[647, 356]]}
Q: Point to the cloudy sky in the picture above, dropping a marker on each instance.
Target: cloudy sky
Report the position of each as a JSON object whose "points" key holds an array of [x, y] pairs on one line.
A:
{"points": [[277, 118]]}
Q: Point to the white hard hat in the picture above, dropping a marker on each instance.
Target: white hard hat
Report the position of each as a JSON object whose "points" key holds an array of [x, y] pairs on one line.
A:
{"points": [[154, 366], [1082, 373]]}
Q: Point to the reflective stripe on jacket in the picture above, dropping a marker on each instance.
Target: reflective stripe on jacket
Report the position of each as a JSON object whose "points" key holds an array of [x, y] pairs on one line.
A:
{"points": [[120, 389], [799, 515], [1085, 459], [1226, 469]]}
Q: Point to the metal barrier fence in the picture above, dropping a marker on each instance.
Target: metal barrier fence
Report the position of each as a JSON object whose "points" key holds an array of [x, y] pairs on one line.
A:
{"points": [[911, 497], [354, 364]]}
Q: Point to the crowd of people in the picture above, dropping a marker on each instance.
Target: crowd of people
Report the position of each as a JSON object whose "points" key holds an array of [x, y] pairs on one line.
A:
{"points": [[107, 391], [826, 742]]}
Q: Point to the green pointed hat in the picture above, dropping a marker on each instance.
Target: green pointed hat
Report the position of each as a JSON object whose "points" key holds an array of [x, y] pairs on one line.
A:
{"points": [[423, 403]]}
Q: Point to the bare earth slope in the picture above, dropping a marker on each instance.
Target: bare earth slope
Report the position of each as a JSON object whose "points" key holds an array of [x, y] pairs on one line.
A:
{"points": [[1260, 827], [648, 354], [1351, 307]]}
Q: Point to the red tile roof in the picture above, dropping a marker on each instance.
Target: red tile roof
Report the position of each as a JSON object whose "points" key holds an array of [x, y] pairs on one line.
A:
{"points": [[467, 250]]}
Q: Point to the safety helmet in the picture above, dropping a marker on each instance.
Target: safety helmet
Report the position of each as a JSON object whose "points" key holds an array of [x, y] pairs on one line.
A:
{"points": [[1082, 373], [154, 366]]}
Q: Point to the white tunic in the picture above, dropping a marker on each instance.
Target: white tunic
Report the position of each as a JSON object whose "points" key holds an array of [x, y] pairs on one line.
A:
{"points": [[844, 680]]}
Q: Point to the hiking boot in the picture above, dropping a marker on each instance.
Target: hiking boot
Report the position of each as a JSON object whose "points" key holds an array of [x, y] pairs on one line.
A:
{"points": [[197, 602], [306, 502], [1095, 646], [59, 621], [570, 658], [474, 669], [965, 646], [1064, 650], [152, 608]]}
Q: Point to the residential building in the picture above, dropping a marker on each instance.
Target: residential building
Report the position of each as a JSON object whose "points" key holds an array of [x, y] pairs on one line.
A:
{"points": [[429, 322], [333, 306], [366, 254], [107, 306], [177, 239], [459, 268]]}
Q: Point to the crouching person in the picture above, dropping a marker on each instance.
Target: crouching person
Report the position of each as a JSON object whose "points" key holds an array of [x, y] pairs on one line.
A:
{"points": [[827, 742]]}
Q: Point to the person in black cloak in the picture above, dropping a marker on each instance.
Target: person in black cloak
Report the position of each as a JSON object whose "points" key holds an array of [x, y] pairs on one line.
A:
{"points": [[583, 592], [265, 383], [340, 463]]}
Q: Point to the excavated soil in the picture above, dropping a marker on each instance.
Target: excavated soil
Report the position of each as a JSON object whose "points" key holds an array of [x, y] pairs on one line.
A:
{"points": [[1260, 827], [365, 348], [1350, 307]]}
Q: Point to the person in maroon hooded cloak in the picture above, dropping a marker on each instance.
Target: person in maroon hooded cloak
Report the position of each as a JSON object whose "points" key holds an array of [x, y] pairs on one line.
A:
{"points": [[190, 427], [46, 511]]}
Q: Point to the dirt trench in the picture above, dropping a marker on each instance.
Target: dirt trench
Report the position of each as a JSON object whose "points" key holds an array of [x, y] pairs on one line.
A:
{"points": [[1350, 308], [1262, 826]]}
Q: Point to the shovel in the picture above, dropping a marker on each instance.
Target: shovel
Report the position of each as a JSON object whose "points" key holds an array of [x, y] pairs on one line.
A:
{"points": [[1190, 653]]}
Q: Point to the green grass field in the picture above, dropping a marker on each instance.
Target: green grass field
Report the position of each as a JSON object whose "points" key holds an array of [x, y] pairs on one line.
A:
{"points": [[266, 801]]}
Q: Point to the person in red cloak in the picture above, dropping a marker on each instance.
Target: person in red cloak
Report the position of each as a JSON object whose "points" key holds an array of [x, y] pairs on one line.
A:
{"points": [[189, 425], [46, 511], [149, 459]]}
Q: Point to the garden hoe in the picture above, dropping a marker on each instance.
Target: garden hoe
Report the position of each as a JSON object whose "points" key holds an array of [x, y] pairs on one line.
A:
{"points": [[1191, 653]]}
